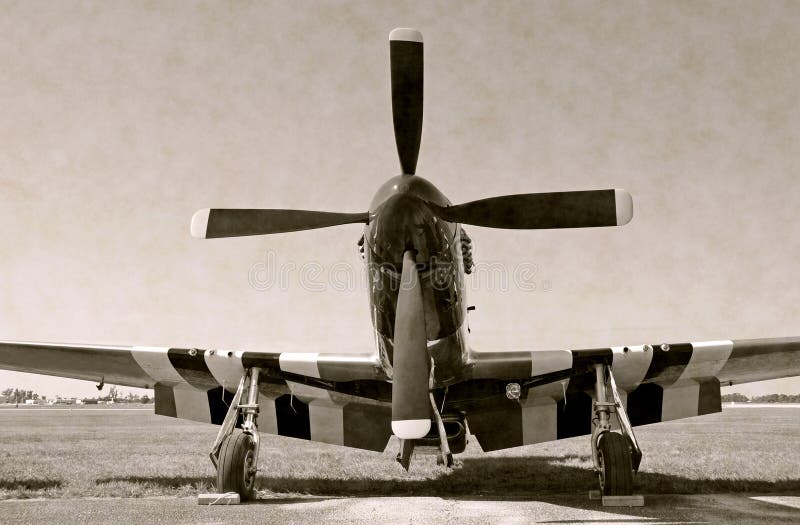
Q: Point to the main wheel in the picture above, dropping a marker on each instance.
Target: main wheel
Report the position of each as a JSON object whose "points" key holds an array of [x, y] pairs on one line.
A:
{"points": [[236, 470], [616, 471]]}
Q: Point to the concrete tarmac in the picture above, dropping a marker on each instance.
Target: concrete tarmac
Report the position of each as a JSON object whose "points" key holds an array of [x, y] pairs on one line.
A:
{"points": [[659, 509]]}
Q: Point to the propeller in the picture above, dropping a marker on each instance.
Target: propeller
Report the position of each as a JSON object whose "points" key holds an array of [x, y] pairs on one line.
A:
{"points": [[572, 209], [411, 409], [405, 55], [537, 211], [219, 222]]}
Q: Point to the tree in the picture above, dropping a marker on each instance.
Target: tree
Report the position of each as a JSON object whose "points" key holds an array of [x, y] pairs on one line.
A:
{"points": [[735, 398]]}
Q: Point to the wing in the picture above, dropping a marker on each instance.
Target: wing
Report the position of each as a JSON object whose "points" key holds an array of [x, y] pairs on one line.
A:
{"points": [[342, 399], [657, 382]]}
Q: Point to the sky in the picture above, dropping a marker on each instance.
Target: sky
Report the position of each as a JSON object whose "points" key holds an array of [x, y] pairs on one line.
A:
{"points": [[121, 119]]}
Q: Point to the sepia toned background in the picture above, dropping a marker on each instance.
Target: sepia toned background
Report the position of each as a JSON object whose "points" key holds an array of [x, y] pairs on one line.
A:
{"points": [[120, 119]]}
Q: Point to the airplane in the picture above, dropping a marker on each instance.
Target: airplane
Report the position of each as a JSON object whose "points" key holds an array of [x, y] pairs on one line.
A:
{"points": [[423, 382]]}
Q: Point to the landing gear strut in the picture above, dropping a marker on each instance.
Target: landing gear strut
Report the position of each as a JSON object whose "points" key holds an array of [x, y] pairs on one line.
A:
{"points": [[616, 455], [235, 453], [445, 457]]}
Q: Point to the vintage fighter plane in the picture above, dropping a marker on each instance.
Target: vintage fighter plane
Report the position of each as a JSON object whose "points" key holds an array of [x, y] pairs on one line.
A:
{"points": [[424, 383]]}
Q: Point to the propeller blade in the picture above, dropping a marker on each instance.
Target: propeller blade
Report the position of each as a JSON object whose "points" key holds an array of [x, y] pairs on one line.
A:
{"points": [[216, 223], [411, 409], [405, 54], [536, 211]]}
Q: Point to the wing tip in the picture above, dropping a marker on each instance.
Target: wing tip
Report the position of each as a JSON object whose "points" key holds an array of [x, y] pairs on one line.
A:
{"points": [[624, 204], [199, 226], [405, 34]]}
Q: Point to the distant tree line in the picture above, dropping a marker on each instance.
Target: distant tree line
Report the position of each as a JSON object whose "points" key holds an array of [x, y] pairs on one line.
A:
{"points": [[16, 395], [20, 396], [770, 398]]}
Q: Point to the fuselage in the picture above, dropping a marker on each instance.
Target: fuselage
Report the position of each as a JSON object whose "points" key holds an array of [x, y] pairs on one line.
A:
{"points": [[401, 220]]}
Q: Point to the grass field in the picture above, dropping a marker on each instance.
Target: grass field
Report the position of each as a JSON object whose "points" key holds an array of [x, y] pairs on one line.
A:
{"points": [[91, 452]]}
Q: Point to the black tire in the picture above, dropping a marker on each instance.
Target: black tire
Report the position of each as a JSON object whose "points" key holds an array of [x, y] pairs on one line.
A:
{"points": [[235, 470], [616, 470]]}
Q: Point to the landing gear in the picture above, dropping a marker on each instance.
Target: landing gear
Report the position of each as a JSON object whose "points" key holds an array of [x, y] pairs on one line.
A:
{"points": [[616, 455], [235, 453], [236, 470], [616, 472], [445, 457]]}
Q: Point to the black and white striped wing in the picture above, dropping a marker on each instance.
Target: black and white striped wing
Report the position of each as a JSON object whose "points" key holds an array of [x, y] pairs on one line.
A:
{"points": [[657, 382], [343, 399]]}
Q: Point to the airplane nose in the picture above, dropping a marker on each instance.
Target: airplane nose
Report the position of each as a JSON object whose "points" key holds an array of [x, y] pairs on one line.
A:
{"points": [[403, 222]]}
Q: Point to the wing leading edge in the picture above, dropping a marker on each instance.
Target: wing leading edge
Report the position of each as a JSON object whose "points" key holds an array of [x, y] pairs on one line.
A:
{"points": [[342, 399], [146, 366], [657, 382], [345, 399]]}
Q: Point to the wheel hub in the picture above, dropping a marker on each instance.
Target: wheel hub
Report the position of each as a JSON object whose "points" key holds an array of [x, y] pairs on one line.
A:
{"points": [[249, 469]]}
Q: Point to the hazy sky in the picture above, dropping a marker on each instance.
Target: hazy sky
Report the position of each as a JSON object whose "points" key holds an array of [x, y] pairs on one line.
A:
{"points": [[120, 119]]}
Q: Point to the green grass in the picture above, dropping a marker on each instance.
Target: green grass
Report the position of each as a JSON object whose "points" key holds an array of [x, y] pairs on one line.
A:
{"points": [[87, 452]]}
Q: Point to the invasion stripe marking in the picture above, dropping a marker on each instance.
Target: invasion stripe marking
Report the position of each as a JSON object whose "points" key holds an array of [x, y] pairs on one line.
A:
{"points": [[549, 361], [645, 404], [155, 362], [301, 363], [540, 411], [583, 367], [192, 368], [349, 367], [501, 365], [269, 361], [326, 421], [497, 427], [539, 420], [219, 401], [630, 364], [583, 360], [668, 365], [367, 426], [293, 418], [307, 392], [226, 367], [710, 400], [267, 414], [708, 358], [680, 401], [164, 401], [192, 404], [574, 414]]}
